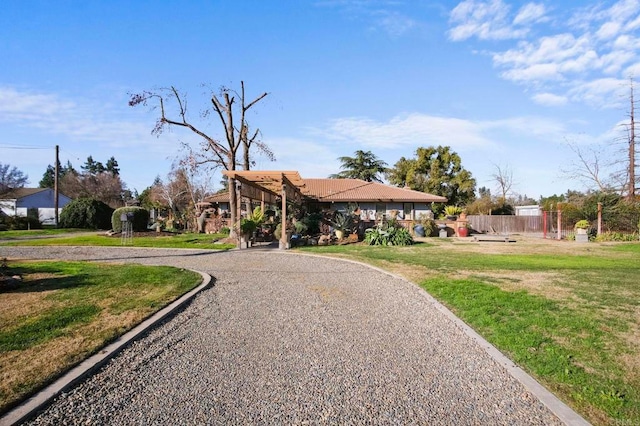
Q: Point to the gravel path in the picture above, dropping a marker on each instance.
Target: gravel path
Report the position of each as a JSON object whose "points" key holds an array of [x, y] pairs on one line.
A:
{"points": [[291, 339]]}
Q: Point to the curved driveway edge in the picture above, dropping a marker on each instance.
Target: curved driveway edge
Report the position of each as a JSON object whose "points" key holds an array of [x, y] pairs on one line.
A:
{"points": [[294, 338], [91, 364], [561, 410]]}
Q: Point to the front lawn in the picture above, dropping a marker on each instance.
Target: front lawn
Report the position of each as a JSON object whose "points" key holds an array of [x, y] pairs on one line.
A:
{"points": [[60, 313], [148, 239], [567, 313]]}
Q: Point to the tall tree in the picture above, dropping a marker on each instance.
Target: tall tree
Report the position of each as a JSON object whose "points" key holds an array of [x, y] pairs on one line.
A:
{"points": [[363, 165], [438, 171], [112, 167], [48, 177], [214, 152], [92, 167], [11, 178]]}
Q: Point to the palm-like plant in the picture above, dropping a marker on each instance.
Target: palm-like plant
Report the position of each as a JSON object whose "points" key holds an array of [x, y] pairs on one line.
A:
{"points": [[364, 165]]}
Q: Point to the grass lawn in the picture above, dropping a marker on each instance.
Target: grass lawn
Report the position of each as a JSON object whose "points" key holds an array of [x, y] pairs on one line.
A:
{"points": [[187, 240], [12, 235], [567, 313], [62, 312]]}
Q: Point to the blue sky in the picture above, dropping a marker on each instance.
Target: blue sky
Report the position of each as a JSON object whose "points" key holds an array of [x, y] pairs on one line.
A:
{"points": [[504, 83]]}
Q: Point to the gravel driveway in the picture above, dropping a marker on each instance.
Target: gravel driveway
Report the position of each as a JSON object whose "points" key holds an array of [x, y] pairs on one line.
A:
{"points": [[292, 339]]}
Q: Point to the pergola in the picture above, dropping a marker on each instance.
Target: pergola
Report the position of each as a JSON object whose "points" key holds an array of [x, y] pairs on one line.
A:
{"points": [[266, 186]]}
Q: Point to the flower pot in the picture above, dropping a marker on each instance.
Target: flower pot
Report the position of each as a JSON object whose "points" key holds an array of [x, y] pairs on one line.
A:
{"points": [[581, 231], [463, 231], [339, 234], [419, 230]]}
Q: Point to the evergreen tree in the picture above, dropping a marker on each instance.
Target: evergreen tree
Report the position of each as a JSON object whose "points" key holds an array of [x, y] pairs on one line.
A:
{"points": [[438, 171], [112, 167], [364, 165]]}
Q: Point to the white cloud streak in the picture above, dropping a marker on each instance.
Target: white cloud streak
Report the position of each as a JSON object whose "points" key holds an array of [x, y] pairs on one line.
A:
{"points": [[412, 130], [596, 47]]}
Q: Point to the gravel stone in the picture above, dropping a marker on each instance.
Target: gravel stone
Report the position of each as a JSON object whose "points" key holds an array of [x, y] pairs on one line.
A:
{"points": [[284, 338]]}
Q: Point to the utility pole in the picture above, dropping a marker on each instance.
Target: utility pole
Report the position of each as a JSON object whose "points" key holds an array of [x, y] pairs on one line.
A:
{"points": [[55, 185], [631, 193]]}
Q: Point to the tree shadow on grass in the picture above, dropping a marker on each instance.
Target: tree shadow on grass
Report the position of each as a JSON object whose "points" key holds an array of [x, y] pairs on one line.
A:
{"points": [[51, 282]]}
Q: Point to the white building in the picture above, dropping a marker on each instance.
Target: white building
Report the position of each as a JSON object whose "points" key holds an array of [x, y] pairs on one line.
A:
{"points": [[40, 202]]}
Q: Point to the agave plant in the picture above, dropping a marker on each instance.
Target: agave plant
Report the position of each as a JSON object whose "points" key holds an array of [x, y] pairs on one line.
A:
{"points": [[342, 222], [390, 233]]}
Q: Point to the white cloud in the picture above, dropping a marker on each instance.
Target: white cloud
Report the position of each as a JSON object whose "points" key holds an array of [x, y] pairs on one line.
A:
{"points": [[487, 20], [407, 130], [534, 72], [549, 99], [603, 92], [76, 120], [596, 45], [530, 12], [395, 23], [608, 30]]}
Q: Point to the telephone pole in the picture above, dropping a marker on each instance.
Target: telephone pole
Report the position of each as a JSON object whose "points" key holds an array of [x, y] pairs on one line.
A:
{"points": [[631, 194], [55, 185]]}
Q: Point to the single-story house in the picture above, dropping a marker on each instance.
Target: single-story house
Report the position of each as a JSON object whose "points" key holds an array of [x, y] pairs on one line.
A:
{"points": [[38, 202], [375, 200]]}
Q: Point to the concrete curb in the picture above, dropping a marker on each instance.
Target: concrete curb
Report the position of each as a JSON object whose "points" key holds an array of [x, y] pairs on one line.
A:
{"points": [[561, 410], [91, 364]]}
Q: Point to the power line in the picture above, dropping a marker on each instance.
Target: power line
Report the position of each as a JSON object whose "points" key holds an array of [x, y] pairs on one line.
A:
{"points": [[24, 146]]}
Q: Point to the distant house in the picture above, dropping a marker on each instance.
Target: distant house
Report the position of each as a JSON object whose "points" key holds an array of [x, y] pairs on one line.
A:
{"points": [[36, 202], [531, 210], [375, 200]]}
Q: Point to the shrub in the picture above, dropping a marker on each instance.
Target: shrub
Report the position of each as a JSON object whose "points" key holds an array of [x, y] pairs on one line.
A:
{"points": [[139, 220], [86, 213], [390, 233], [16, 223]]}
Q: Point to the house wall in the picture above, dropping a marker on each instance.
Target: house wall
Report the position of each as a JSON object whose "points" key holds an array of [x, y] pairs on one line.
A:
{"points": [[421, 208], [8, 207], [42, 201]]}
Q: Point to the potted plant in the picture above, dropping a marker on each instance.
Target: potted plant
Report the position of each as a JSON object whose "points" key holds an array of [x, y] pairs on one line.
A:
{"points": [[452, 212], [581, 226], [341, 223]]}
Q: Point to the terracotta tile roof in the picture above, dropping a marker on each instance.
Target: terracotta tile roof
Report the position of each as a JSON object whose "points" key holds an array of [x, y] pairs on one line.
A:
{"points": [[344, 190], [221, 197]]}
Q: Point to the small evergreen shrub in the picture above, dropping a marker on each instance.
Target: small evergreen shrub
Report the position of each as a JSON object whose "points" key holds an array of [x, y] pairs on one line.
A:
{"points": [[86, 213], [139, 220]]}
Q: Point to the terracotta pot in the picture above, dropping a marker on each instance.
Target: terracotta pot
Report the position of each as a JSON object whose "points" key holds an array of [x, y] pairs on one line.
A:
{"points": [[463, 231]]}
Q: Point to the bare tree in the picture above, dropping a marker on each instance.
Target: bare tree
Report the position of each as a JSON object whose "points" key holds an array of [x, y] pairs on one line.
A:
{"points": [[588, 168], [215, 152], [11, 178], [503, 177]]}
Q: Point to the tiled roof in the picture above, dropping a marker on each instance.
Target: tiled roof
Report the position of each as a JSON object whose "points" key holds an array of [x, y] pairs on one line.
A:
{"points": [[344, 190], [221, 197]]}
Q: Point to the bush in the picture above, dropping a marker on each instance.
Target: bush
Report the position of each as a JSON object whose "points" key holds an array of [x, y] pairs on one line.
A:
{"points": [[139, 220], [17, 223], [390, 233], [86, 213]]}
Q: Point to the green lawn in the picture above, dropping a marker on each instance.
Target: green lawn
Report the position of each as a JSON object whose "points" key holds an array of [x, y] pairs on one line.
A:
{"points": [[12, 235], [187, 240], [62, 312], [567, 313]]}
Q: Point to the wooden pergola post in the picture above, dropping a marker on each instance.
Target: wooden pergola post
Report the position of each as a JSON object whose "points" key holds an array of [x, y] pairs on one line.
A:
{"points": [[283, 219]]}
